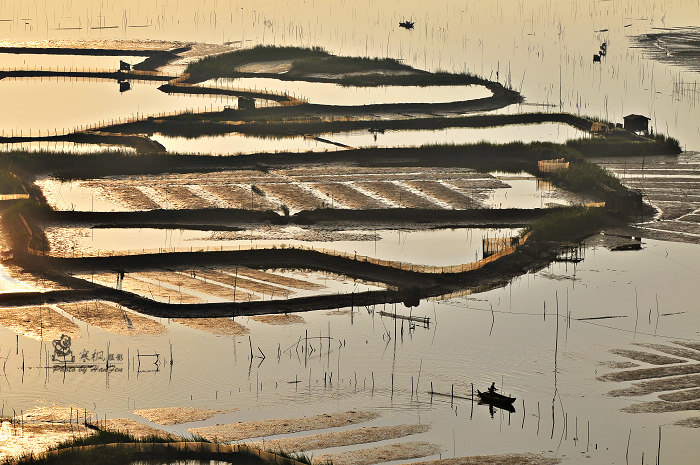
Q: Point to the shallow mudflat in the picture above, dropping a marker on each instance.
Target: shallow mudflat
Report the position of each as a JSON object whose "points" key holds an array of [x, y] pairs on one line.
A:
{"points": [[113, 318], [40, 323]]}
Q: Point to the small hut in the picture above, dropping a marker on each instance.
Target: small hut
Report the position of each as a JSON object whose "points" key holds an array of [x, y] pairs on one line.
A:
{"points": [[637, 123], [246, 103]]}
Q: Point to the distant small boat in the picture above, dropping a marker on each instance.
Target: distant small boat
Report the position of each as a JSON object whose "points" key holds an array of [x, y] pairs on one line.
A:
{"points": [[407, 24], [495, 398]]}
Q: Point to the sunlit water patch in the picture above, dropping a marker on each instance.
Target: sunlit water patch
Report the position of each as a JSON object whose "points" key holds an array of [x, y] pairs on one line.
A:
{"points": [[48, 62], [43, 106], [334, 94], [62, 146], [235, 143]]}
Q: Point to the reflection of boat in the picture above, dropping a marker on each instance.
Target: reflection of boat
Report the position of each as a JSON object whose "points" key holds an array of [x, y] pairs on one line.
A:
{"points": [[406, 24], [495, 398]]}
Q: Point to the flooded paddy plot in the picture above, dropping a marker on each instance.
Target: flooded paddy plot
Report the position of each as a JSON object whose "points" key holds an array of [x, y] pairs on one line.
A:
{"points": [[544, 132], [198, 285], [40, 323], [334, 94], [237, 143], [80, 96], [308, 188], [458, 246]]}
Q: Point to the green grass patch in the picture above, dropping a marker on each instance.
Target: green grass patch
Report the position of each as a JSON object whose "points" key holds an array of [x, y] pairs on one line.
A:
{"points": [[623, 147], [570, 224]]}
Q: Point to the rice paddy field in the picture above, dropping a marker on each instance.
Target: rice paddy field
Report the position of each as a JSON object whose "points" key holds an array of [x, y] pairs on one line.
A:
{"points": [[314, 307]]}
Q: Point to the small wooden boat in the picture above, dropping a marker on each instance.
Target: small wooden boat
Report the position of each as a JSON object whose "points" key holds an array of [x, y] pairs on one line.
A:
{"points": [[407, 24], [495, 398]]}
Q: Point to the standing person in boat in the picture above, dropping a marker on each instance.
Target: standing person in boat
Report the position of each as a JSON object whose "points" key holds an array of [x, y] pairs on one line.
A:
{"points": [[493, 389]]}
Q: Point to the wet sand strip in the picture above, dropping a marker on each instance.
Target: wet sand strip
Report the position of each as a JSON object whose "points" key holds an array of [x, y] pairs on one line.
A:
{"points": [[681, 396], [380, 454], [506, 459], [647, 357], [661, 407], [264, 428], [342, 438], [177, 415], [648, 373], [658, 385], [221, 326], [677, 351]]}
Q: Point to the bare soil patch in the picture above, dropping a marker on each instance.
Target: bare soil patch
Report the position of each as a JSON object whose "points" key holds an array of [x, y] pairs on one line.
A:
{"points": [[110, 318], [37, 322], [647, 357], [342, 438], [681, 396], [380, 454], [263, 428], [268, 67], [279, 319], [506, 459], [647, 373], [661, 406], [218, 326], [658, 385], [177, 415]]}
